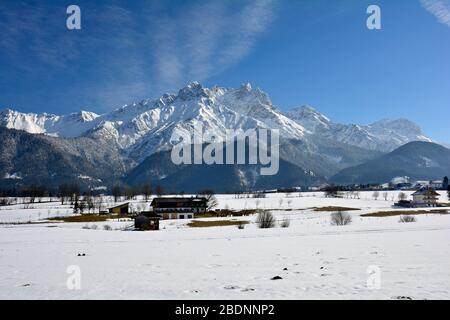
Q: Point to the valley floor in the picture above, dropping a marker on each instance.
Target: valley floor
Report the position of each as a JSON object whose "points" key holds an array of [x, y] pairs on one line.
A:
{"points": [[313, 259]]}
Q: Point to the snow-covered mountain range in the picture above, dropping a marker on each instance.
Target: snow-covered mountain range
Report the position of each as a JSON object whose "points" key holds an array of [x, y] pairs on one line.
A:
{"points": [[316, 147], [384, 135], [145, 127]]}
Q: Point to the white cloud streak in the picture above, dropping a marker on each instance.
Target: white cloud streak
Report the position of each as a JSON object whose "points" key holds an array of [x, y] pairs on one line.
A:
{"points": [[207, 39], [439, 8], [132, 54]]}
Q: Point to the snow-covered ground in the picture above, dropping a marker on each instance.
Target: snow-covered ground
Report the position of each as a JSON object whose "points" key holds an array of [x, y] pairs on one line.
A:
{"points": [[314, 259]]}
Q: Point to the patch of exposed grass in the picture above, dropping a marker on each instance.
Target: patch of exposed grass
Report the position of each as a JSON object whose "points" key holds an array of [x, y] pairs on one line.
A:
{"points": [[334, 209], [382, 214], [244, 213], [89, 218], [225, 213], [209, 214], [220, 223], [407, 219]]}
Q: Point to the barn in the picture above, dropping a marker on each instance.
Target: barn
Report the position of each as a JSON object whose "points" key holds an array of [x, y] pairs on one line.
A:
{"points": [[147, 221], [121, 209], [179, 208]]}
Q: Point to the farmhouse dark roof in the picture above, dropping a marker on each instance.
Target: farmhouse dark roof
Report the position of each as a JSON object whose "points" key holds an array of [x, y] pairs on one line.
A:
{"points": [[150, 214], [177, 200], [121, 205], [428, 192], [198, 201]]}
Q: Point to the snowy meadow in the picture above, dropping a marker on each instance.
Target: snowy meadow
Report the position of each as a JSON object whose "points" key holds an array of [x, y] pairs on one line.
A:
{"points": [[306, 258]]}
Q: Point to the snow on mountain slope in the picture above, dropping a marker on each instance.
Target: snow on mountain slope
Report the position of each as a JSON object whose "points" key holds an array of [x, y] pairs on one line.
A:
{"points": [[384, 135], [142, 128], [311, 119], [67, 126], [216, 109]]}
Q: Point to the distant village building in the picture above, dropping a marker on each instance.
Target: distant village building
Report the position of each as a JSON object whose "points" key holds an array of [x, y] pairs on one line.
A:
{"points": [[422, 184], [436, 184], [178, 208], [426, 197], [404, 186], [147, 221], [120, 209]]}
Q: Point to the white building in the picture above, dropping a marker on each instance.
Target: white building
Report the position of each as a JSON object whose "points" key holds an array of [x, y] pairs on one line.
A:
{"points": [[437, 184], [426, 197]]}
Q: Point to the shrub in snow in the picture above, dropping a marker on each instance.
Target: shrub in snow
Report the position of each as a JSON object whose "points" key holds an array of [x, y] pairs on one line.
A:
{"points": [[340, 219], [285, 223], [265, 220], [402, 196], [407, 219], [107, 227], [241, 226], [86, 226], [94, 227]]}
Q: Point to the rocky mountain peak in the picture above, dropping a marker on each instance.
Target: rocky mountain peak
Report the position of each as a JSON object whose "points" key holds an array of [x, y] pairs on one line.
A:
{"points": [[191, 91]]}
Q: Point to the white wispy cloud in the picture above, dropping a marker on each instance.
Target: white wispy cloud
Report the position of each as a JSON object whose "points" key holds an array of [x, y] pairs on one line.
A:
{"points": [[207, 38], [128, 54], [28, 28], [439, 8]]}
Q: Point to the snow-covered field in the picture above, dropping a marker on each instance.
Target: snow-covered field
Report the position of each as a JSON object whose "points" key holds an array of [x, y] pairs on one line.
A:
{"points": [[314, 259]]}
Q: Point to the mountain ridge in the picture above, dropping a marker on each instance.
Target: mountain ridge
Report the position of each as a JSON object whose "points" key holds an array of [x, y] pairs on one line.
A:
{"points": [[418, 160], [217, 108], [309, 140]]}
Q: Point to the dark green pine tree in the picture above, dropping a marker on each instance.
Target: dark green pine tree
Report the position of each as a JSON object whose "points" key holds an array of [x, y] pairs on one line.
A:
{"points": [[445, 183]]}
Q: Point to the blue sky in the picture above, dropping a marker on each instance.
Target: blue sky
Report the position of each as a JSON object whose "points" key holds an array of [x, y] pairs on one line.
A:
{"points": [[316, 52]]}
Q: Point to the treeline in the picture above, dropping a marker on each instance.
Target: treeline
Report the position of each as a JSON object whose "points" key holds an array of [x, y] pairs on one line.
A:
{"points": [[130, 193], [33, 192], [69, 192]]}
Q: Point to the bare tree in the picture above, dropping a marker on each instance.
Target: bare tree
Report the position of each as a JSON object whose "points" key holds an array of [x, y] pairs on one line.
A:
{"points": [[90, 203], [211, 200], [265, 220], [116, 192], [332, 192], [146, 190], [130, 193], [340, 219], [82, 206], [285, 223], [402, 196], [98, 203], [385, 196], [159, 190], [376, 195]]}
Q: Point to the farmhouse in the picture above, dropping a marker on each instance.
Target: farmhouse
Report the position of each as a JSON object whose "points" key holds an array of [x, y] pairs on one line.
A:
{"points": [[426, 197], [120, 209], [178, 208]]}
